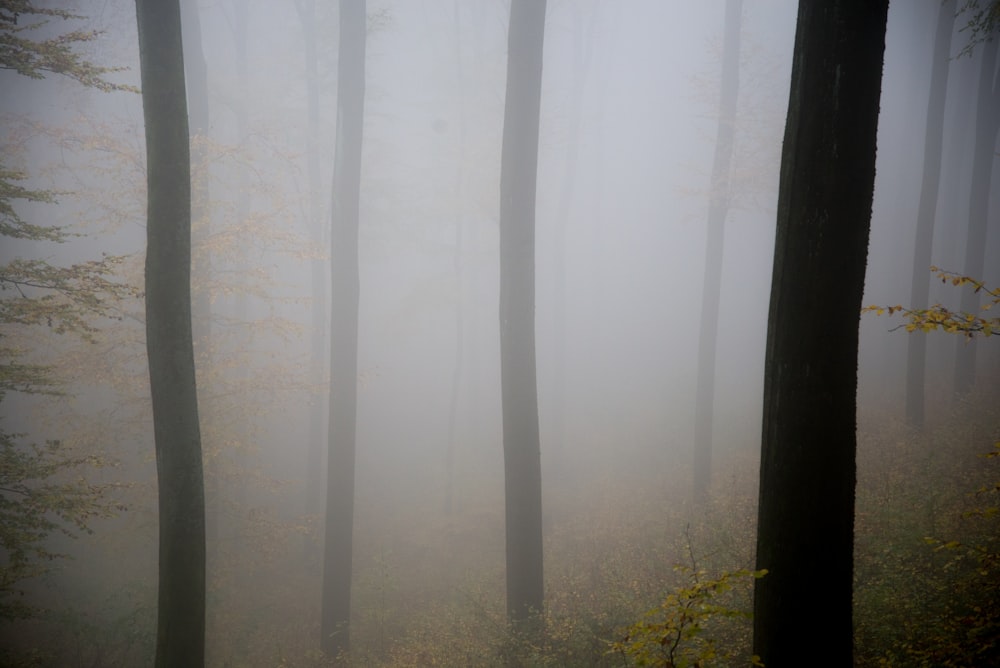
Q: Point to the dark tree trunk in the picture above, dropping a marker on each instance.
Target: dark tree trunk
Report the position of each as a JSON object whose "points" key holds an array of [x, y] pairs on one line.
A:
{"points": [[805, 537], [518, 170], [180, 633], [718, 208], [983, 157], [344, 294], [916, 359], [196, 86]]}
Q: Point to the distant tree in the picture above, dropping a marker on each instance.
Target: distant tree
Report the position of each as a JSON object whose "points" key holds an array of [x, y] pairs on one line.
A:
{"points": [[344, 295], [458, 260], [933, 138], [718, 208], [196, 86], [805, 534], [582, 50], [318, 266], [987, 125], [180, 638], [518, 171]]}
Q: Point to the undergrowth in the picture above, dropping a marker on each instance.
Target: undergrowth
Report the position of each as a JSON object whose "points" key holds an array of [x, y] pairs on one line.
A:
{"points": [[634, 575]]}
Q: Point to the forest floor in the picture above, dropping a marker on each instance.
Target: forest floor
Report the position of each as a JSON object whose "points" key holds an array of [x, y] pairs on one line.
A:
{"points": [[429, 586]]}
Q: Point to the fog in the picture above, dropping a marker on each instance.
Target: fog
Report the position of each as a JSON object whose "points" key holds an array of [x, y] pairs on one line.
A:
{"points": [[629, 118]]}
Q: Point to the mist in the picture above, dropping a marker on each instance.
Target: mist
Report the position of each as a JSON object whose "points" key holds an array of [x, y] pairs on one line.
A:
{"points": [[629, 119]]}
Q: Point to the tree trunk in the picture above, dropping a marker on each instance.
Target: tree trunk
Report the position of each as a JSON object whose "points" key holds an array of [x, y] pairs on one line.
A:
{"points": [[983, 157], [458, 367], [180, 637], [718, 208], [518, 170], [560, 336], [344, 294], [196, 86], [916, 359], [805, 538], [318, 267]]}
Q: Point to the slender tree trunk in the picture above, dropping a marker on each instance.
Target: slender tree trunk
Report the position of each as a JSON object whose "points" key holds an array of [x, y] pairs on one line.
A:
{"points": [[805, 534], [559, 347], [318, 269], [518, 171], [718, 208], [916, 359], [196, 84], [983, 157], [459, 260], [180, 633], [344, 294]]}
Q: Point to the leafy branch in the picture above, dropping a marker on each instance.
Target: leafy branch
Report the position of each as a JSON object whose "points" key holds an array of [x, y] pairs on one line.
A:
{"points": [[940, 317], [982, 24], [41, 492], [673, 634], [34, 58], [62, 298]]}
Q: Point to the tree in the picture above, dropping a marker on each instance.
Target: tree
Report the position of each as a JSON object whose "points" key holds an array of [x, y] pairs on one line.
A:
{"points": [[983, 156], [320, 318], [919, 284], [521, 447], [344, 295], [718, 207], [807, 473], [180, 634]]}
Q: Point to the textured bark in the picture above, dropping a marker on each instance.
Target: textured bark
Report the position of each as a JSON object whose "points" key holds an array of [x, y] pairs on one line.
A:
{"points": [[344, 295], [916, 359], [518, 172], [718, 208], [805, 538], [983, 157], [180, 637]]}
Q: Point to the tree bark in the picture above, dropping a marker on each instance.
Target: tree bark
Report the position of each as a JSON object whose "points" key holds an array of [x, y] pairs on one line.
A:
{"points": [[180, 638], [518, 172], [802, 608], [916, 359], [718, 208], [344, 294]]}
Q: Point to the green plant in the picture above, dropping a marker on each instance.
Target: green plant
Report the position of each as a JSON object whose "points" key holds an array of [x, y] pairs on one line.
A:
{"points": [[675, 634], [42, 492], [937, 316], [970, 634]]}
